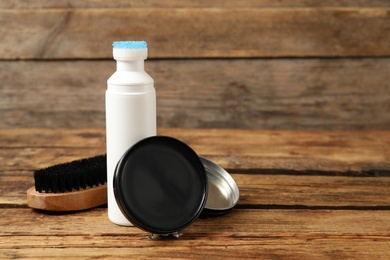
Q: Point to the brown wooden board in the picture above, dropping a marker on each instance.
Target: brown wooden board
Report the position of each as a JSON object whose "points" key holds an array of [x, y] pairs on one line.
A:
{"points": [[242, 221], [300, 164], [263, 192], [289, 206], [248, 234], [43, 4], [66, 33], [206, 93], [347, 153]]}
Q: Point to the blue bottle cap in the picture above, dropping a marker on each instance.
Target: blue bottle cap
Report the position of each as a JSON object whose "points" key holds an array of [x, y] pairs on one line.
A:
{"points": [[130, 45]]}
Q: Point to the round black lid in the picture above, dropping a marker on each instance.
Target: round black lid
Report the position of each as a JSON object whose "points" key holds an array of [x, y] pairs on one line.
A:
{"points": [[160, 185]]}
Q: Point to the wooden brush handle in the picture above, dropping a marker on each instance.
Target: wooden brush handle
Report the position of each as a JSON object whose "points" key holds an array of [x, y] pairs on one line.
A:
{"points": [[67, 201]]}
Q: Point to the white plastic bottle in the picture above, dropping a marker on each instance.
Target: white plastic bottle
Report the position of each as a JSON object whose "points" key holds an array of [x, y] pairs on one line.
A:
{"points": [[130, 111]]}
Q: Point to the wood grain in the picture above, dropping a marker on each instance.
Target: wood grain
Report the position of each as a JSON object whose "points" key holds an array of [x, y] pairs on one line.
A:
{"points": [[196, 32], [288, 65], [43, 4], [362, 248], [241, 93], [241, 233], [262, 192], [304, 152], [242, 221], [301, 165], [283, 212], [71, 201]]}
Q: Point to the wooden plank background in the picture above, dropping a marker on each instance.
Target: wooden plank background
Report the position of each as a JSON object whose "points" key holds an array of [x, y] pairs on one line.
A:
{"points": [[303, 195], [216, 64], [315, 169]]}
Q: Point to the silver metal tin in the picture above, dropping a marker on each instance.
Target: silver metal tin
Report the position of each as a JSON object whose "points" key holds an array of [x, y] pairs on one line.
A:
{"points": [[223, 193], [161, 186]]}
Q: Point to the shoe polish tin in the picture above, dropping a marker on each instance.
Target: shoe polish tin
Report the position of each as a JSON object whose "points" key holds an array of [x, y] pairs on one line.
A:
{"points": [[162, 186], [223, 192]]}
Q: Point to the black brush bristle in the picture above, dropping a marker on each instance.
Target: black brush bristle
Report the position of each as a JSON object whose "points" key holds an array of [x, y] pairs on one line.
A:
{"points": [[74, 175]]}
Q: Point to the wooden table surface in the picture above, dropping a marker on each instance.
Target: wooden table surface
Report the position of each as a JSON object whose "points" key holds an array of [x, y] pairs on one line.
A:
{"points": [[304, 195]]}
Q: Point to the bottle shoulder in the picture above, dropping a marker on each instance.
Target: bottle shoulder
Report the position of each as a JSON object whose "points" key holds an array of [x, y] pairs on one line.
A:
{"points": [[126, 78]]}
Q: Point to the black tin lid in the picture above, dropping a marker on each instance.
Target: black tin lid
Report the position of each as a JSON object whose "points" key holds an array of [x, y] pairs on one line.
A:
{"points": [[160, 185]]}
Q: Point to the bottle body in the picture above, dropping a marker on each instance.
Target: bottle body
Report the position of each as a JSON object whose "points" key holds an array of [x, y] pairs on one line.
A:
{"points": [[130, 117]]}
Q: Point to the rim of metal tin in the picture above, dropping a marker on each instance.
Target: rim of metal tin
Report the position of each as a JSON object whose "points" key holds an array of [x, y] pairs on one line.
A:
{"points": [[160, 185], [223, 193]]}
